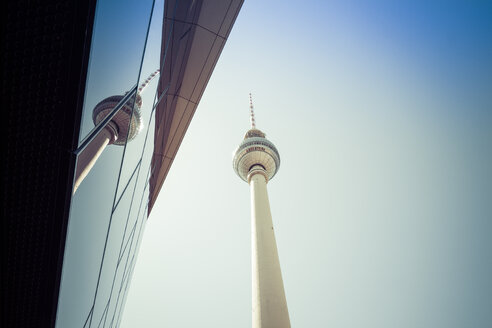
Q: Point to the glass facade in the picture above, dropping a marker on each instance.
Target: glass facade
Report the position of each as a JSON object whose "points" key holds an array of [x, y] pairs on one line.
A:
{"points": [[78, 167], [109, 208]]}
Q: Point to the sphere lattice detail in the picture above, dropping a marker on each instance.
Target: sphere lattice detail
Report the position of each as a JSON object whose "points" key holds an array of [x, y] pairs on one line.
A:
{"points": [[128, 125], [256, 150]]}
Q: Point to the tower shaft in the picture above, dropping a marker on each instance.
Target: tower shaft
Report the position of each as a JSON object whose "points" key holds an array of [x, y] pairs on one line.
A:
{"points": [[269, 302], [89, 156]]}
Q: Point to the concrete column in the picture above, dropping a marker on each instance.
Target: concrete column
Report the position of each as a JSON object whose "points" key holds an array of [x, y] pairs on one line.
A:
{"points": [[91, 153], [269, 303]]}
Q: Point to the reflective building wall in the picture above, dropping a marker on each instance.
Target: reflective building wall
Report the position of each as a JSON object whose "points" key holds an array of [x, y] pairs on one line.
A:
{"points": [[108, 209], [90, 245]]}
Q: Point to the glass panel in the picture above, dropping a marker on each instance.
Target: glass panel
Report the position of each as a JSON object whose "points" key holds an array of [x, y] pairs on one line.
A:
{"points": [[147, 90], [118, 41], [86, 235], [120, 224], [125, 264], [132, 257], [118, 290], [144, 171]]}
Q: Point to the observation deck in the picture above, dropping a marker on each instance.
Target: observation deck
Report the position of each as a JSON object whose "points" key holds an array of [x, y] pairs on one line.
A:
{"points": [[255, 149], [126, 125]]}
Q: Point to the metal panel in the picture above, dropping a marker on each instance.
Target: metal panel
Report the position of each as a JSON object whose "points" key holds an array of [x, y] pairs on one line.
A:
{"points": [[188, 57]]}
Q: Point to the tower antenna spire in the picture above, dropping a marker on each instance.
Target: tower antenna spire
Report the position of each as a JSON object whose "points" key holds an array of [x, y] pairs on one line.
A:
{"points": [[252, 113]]}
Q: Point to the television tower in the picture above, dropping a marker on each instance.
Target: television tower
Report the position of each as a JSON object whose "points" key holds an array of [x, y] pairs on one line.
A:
{"points": [[122, 127], [256, 161]]}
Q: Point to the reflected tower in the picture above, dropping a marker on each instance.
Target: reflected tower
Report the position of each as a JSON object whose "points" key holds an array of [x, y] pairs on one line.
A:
{"points": [[256, 161], [123, 126]]}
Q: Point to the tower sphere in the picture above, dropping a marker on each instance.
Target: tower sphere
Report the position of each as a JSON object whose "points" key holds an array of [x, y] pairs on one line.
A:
{"points": [[126, 129], [256, 150]]}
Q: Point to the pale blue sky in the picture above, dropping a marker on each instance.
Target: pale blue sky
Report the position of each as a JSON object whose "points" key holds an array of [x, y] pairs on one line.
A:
{"points": [[382, 114]]}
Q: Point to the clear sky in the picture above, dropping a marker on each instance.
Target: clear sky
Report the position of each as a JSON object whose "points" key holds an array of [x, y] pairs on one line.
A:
{"points": [[382, 114]]}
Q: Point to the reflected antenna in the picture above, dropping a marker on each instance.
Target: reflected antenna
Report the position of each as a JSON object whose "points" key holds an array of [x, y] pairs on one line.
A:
{"points": [[147, 81]]}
